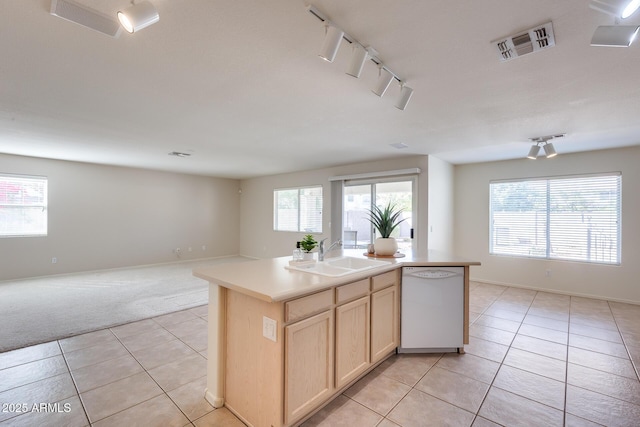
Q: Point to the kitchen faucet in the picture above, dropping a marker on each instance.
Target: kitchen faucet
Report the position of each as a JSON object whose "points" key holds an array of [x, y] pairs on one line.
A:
{"points": [[321, 250]]}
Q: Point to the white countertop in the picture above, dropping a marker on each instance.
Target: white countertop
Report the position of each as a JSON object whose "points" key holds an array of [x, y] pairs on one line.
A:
{"points": [[269, 280]]}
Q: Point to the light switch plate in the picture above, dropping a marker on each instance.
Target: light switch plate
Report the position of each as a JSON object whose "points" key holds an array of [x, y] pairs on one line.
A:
{"points": [[269, 327]]}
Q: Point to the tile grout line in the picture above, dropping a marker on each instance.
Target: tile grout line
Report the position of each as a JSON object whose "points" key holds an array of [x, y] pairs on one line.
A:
{"points": [[624, 342], [75, 385]]}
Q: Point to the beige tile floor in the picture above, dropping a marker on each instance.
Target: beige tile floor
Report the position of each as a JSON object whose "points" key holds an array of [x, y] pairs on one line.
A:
{"points": [[534, 359]]}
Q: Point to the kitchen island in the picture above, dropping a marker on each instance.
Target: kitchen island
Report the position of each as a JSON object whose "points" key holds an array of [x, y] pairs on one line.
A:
{"points": [[283, 343]]}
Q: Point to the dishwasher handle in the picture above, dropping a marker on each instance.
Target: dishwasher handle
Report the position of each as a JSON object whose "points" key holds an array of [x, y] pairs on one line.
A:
{"points": [[431, 274]]}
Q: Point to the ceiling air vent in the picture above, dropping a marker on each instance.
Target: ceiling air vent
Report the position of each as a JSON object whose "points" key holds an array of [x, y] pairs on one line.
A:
{"points": [[529, 41]]}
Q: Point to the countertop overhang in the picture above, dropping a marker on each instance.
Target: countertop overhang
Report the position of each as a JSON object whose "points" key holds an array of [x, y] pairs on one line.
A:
{"points": [[268, 279]]}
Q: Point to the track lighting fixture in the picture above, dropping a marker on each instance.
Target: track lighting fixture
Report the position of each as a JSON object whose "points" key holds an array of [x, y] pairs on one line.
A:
{"points": [[549, 150], [138, 16], [405, 95], [630, 9], [384, 80], [533, 152], [614, 35], [359, 56], [331, 43], [616, 8]]}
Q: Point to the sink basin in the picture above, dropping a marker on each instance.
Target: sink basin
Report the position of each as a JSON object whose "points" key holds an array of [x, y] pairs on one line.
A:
{"points": [[354, 263], [336, 267]]}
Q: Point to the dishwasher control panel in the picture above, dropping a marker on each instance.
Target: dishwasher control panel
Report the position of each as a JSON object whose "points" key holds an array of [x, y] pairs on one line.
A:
{"points": [[435, 273]]}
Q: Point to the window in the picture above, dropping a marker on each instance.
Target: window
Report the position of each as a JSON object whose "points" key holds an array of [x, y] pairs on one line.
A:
{"points": [[569, 218], [23, 206], [298, 209]]}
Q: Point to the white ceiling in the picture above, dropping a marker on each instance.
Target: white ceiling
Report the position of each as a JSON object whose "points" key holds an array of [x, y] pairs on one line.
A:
{"points": [[239, 85]]}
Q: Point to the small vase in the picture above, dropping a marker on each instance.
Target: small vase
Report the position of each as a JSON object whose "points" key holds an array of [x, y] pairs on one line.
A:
{"points": [[386, 246], [307, 256]]}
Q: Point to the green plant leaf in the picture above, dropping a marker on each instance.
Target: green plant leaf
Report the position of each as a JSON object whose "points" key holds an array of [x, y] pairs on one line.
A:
{"points": [[386, 219]]}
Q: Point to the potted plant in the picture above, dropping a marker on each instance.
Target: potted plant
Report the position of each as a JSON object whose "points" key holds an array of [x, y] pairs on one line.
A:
{"points": [[385, 220], [308, 243]]}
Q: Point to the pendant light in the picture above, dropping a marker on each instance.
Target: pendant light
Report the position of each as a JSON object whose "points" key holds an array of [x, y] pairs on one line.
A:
{"points": [[138, 16]]}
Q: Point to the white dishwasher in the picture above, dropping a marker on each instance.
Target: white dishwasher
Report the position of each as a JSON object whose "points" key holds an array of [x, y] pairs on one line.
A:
{"points": [[432, 309]]}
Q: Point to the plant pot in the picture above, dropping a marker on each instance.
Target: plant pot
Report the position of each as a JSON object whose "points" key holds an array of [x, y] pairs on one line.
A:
{"points": [[386, 246], [307, 256]]}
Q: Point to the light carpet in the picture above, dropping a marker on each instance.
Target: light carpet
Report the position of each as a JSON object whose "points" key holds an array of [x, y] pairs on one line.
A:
{"points": [[38, 310]]}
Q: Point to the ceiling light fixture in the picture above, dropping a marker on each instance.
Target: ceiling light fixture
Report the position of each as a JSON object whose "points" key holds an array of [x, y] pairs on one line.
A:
{"points": [[630, 9], [85, 16], [359, 56], [614, 35], [616, 8], [332, 40], [384, 80], [405, 95], [533, 152], [138, 16], [549, 149]]}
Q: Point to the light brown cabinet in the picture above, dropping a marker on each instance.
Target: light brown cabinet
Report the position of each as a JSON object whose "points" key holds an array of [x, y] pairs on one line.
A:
{"points": [[308, 364], [352, 340], [325, 341]]}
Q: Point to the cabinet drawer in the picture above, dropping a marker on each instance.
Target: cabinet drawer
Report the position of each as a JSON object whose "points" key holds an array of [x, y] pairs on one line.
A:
{"points": [[352, 290], [305, 306], [384, 280]]}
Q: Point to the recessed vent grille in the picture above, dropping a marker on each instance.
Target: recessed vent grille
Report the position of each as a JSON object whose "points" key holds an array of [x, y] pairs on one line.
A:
{"points": [[532, 40]]}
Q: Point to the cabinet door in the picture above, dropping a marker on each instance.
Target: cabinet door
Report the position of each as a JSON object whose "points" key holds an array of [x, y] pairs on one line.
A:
{"points": [[384, 322], [308, 364], [352, 340]]}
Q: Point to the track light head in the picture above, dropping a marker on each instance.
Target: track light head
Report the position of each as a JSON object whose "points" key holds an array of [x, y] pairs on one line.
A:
{"points": [[331, 43], [615, 8], [630, 9], [359, 56], [138, 16], [549, 151], [383, 82], [614, 35], [405, 95], [533, 152]]}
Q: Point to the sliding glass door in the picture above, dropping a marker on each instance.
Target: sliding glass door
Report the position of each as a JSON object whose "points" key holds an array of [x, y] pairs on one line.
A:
{"points": [[359, 197]]}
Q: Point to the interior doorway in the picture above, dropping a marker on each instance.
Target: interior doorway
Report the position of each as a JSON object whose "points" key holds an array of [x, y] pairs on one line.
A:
{"points": [[360, 196]]}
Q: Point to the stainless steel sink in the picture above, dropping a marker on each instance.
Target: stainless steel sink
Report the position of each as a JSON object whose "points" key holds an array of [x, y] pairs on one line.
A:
{"points": [[336, 267]]}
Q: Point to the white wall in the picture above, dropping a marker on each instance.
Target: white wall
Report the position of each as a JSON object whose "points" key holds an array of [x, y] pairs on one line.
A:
{"points": [[472, 222], [441, 205], [257, 238], [105, 217]]}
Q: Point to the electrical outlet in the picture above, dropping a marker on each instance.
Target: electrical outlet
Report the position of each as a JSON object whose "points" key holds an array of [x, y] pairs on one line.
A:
{"points": [[204, 247], [54, 260], [269, 327], [547, 273]]}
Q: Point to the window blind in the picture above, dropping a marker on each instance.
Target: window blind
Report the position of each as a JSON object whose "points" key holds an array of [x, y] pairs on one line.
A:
{"points": [[568, 218], [298, 209], [23, 206]]}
